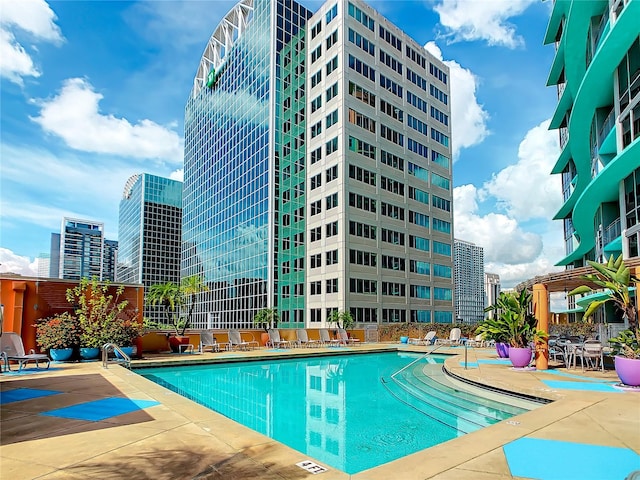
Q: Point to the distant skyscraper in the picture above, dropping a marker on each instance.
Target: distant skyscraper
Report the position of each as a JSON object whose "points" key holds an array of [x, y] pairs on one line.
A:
{"points": [[44, 265], [81, 250], [54, 261], [469, 281], [150, 233], [491, 289], [318, 168]]}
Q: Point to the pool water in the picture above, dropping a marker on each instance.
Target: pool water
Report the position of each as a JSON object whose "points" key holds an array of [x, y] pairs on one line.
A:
{"points": [[346, 411]]}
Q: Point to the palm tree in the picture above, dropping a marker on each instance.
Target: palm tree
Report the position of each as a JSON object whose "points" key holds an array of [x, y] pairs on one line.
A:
{"points": [[615, 278], [266, 318], [190, 287], [167, 295]]}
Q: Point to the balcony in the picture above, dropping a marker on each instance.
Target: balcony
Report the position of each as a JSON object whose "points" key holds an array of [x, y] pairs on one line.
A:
{"points": [[612, 232], [564, 137]]}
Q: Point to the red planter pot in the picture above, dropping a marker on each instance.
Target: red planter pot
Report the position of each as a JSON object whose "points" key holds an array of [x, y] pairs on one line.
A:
{"points": [[520, 357], [175, 342], [628, 370]]}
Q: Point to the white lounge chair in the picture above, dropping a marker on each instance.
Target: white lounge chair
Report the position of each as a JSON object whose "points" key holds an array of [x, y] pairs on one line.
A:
{"points": [[326, 339], [454, 338], [303, 339], [12, 349], [343, 336], [207, 340], [236, 341], [275, 341], [429, 339]]}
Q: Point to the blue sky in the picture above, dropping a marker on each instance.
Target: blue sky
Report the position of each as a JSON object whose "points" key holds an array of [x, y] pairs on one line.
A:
{"points": [[92, 92]]}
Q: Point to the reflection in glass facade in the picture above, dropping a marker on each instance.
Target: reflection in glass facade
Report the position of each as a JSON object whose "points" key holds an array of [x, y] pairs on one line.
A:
{"points": [[230, 161], [150, 233]]}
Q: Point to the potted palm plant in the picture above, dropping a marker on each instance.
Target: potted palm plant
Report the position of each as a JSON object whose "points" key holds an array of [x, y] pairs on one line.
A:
{"points": [[266, 318], [615, 280]]}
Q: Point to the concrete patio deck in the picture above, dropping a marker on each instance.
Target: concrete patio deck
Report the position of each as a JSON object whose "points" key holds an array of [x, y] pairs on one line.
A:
{"points": [[178, 438]]}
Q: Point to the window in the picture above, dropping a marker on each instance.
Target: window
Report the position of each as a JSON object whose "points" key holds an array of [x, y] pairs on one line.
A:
{"points": [[362, 147], [416, 79], [362, 42], [391, 135], [362, 230], [331, 285], [415, 56], [419, 195], [286, 292], [359, 257], [439, 159], [441, 225], [332, 13], [362, 121], [417, 147], [331, 257], [419, 219], [331, 173], [391, 110], [362, 68], [286, 243], [419, 243], [421, 268], [390, 61], [439, 116], [315, 287], [420, 291], [298, 214], [316, 53], [418, 172], [316, 181], [439, 137], [390, 38], [315, 260], [362, 202], [393, 237], [331, 146], [393, 263], [298, 290], [298, 264], [316, 78], [360, 285], [332, 65], [421, 316], [364, 315], [332, 91], [332, 201], [440, 293], [395, 315], [362, 94], [392, 186], [316, 129], [443, 271], [316, 316], [417, 102], [298, 239], [316, 29], [394, 289], [441, 203], [331, 229], [392, 160], [315, 234], [392, 211], [438, 94], [316, 103], [362, 17], [442, 248], [286, 267], [390, 85], [332, 39], [436, 72], [418, 125], [316, 155], [440, 181], [286, 220]]}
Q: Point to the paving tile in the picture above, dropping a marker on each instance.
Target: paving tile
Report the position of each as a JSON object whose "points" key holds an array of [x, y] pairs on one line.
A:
{"points": [[15, 469]]}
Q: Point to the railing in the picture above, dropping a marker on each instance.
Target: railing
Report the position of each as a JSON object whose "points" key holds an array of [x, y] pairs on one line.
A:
{"points": [[564, 136], [612, 231], [395, 374], [607, 125], [561, 87], [108, 348]]}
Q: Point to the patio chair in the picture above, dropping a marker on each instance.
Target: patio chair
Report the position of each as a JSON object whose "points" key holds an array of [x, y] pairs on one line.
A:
{"points": [[429, 339], [275, 341], [207, 340], [590, 352], [236, 341], [326, 339], [343, 336], [476, 341], [454, 338], [303, 339], [12, 349]]}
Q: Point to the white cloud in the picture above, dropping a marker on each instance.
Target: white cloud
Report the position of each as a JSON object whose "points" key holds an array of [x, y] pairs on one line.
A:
{"points": [[74, 116], [177, 175], [468, 118], [529, 178], [36, 19], [522, 242], [12, 263], [470, 20]]}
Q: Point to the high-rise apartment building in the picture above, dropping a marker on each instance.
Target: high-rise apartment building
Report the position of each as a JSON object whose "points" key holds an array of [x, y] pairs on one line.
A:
{"points": [[150, 233], [597, 73], [491, 290], [468, 277], [318, 169], [79, 251]]}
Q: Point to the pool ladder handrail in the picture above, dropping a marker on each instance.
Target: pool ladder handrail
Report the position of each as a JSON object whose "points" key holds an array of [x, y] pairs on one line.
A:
{"points": [[112, 347], [394, 374]]}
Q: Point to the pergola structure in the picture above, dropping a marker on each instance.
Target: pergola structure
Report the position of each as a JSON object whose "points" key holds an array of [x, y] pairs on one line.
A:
{"points": [[564, 281]]}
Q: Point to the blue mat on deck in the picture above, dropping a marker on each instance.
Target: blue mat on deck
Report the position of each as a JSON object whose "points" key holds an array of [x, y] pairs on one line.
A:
{"points": [[594, 462], [98, 410], [20, 394], [588, 386]]}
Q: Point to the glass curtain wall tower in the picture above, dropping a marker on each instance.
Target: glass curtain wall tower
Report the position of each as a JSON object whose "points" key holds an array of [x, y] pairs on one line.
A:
{"points": [[597, 73], [150, 233], [318, 169], [469, 279]]}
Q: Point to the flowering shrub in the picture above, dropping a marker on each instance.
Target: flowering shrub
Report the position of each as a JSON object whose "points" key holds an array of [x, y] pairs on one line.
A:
{"points": [[59, 331], [123, 332]]}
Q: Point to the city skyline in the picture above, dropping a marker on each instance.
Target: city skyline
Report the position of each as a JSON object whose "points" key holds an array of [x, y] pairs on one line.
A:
{"points": [[132, 90]]}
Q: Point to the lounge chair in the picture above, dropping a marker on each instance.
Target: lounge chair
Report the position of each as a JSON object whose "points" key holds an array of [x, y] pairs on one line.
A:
{"points": [[13, 350], [429, 339], [275, 341], [454, 338], [303, 339], [343, 336], [477, 341], [326, 339], [207, 340], [236, 341]]}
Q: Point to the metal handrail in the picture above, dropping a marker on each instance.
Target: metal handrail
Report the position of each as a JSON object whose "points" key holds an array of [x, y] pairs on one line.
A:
{"points": [[393, 375], [111, 347]]}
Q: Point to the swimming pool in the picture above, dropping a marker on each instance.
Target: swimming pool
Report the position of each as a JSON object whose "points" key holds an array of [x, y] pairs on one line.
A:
{"points": [[346, 411]]}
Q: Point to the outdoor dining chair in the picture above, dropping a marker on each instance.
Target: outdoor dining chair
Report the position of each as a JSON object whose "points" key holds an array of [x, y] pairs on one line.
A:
{"points": [[591, 352]]}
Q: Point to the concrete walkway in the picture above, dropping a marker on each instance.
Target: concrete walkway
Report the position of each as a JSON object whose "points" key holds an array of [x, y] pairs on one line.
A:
{"points": [[161, 435]]}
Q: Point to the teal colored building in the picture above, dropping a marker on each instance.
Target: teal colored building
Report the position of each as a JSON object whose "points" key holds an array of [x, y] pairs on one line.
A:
{"points": [[597, 73]]}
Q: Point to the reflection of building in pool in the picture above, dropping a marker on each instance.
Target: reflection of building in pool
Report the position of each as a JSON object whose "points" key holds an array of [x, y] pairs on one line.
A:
{"points": [[309, 192], [326, 394]]}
